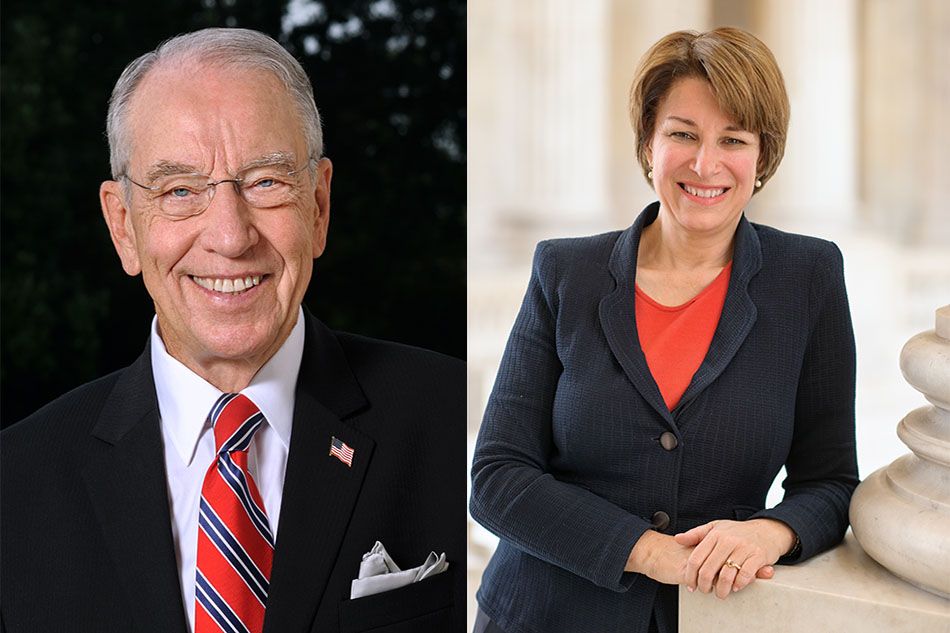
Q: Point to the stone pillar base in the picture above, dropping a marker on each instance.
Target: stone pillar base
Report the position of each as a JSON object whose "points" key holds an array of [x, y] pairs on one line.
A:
{"points": [[841, 590]]}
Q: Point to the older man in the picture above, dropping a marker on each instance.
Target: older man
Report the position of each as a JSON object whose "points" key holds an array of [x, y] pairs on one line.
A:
{"points": [[233, 477]]}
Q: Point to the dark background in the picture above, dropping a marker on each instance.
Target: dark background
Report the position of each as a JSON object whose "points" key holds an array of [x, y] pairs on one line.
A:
{"points": [[389, 80]]}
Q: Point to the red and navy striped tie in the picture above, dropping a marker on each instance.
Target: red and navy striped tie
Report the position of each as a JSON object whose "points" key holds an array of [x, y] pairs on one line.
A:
{"points": [[235, 544]]}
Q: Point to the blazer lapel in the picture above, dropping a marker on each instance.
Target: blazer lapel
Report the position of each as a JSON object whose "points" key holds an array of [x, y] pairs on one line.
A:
{"points": [[127, 486], [618, 314], [320, 491], [738, 313]]}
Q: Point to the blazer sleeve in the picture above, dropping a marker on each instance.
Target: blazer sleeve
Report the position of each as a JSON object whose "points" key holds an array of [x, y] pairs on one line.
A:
{"points": [[513, 493], [821, 467]]}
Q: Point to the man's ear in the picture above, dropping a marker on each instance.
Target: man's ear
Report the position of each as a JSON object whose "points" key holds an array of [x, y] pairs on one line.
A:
{"points": [[321, 219], [119, 220]]}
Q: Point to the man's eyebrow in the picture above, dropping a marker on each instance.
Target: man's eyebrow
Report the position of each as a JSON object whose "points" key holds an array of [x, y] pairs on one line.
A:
{"points": [[171, 168], [690, 122], [168, 168], [273, 159]]}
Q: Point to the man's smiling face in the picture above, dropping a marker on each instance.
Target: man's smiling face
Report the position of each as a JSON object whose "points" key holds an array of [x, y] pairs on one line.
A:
{"points": [[227, 283]]}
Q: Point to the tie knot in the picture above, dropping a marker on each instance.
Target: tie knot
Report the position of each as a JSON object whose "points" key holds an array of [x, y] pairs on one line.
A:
{"points": [[234, 419]]}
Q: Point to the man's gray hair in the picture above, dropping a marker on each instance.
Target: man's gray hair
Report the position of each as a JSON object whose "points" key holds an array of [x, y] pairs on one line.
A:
{"points": [[242, 48]]}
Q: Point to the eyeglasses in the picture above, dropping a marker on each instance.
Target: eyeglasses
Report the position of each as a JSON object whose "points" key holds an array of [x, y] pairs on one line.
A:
{"points": [[180, 196]]}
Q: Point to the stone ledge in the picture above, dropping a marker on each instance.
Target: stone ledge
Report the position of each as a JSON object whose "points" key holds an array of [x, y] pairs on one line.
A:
{"points": [[841, 590]]}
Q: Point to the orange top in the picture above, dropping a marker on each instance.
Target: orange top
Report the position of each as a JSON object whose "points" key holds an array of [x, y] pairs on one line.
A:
{"points": [[675, 340]]}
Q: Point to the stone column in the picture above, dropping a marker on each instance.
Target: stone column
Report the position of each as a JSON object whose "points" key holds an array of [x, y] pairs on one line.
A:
{"points": [[537, 72], [815, 44], [901, 513], [905, 130]]}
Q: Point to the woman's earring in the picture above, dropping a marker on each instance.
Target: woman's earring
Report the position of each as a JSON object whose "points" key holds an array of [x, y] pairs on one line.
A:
{"points": [[758, 183], [650, 174]]}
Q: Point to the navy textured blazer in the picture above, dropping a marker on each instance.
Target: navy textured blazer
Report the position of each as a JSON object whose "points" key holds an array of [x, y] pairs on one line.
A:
{"points": [[569, 470], [87, 539]]}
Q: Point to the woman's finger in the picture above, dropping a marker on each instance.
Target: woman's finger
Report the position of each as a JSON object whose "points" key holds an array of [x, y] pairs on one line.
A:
{"points": [[695, 562], [748, 572], [709, 570], [727, 577], [691, 538]]}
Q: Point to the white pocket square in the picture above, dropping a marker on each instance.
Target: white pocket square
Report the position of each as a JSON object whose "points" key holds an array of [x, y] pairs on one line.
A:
{"points": [[379, 573]]}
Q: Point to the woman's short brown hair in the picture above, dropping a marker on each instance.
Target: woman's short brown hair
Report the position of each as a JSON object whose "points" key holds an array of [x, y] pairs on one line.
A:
{"points": [[744, 78]]}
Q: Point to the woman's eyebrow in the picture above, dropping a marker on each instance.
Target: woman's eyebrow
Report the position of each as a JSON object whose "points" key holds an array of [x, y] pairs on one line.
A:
{"points": [[681, 120], [690, 122]]}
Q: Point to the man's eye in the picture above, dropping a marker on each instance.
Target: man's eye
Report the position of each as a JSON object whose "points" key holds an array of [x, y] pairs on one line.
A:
{"points": [[180, 192], [265, 183]]}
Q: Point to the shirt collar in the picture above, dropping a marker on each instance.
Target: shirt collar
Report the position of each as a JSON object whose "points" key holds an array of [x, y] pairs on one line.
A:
{"points": [[185, 398]]}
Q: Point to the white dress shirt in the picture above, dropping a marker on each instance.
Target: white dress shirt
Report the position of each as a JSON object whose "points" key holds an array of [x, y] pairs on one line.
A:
{"points": [[184, 401]]}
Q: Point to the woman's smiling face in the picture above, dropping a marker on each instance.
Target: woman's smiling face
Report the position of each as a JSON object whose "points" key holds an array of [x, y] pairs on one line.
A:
{"points": [[704, 164]]}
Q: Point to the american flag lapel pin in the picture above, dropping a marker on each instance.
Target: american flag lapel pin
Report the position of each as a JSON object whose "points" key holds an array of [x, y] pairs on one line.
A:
{"points": [[342, 451]]}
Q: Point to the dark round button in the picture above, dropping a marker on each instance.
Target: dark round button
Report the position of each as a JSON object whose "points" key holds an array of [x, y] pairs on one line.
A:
{"points": [[668, 441], [661, 520]]}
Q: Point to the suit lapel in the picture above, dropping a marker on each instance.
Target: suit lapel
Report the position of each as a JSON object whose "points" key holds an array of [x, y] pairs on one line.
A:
{"points": [[320, 491], [127, 486], [738, 313], [618, 314]]}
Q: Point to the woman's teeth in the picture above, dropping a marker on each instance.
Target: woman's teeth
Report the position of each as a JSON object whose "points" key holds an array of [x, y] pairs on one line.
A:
{"points": [[703, 193]]}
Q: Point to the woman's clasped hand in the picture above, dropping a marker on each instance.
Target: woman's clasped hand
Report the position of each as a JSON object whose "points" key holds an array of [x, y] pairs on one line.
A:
{"points": [[720, 556]]}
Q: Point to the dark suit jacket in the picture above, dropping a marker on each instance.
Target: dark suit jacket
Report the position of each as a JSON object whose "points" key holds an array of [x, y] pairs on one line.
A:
{"points": [[569, 470], [87, 542]]}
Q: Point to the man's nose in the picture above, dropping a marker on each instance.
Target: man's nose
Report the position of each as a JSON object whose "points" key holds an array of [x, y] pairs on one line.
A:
{"points": [[229, 222]]}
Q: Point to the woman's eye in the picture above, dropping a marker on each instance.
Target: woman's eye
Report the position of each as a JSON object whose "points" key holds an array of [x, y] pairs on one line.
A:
{"points": [[682, 135], [734, 141]]}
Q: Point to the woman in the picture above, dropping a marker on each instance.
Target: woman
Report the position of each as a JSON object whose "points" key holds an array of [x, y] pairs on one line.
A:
{"points": [[657, 379]]}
